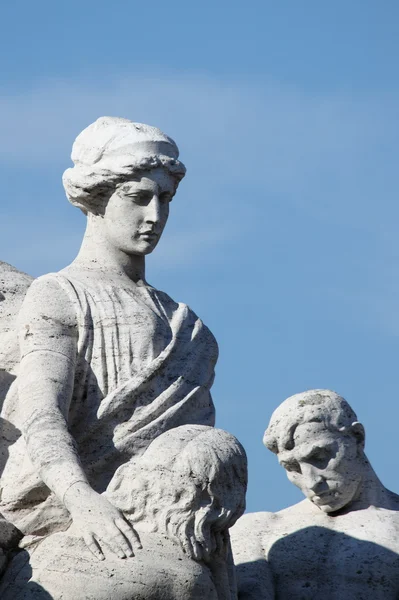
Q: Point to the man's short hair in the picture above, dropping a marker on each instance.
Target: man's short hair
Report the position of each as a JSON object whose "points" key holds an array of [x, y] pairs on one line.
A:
{"points": [[312, 406]]}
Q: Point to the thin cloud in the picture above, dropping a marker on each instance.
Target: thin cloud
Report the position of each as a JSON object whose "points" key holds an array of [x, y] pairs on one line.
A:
{"points": [[315, 149], [182, 248], [246, 145]]}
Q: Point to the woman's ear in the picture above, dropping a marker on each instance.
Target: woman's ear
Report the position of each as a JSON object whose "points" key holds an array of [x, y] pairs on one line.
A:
{"points": [[358, 431]]}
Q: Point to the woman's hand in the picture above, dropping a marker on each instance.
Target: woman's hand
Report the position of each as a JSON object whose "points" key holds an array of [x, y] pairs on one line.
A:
{"points": [[99, 523]]}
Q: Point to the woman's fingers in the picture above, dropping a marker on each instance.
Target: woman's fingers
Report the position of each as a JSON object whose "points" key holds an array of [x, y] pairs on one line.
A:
{"points": [[112, 538], [118, 535], [117, 542], [93, 546], [129, 532]]}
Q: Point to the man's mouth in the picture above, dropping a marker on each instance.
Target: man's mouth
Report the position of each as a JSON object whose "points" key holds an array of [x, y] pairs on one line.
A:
{"points": [[148, 235], [324, 497]]}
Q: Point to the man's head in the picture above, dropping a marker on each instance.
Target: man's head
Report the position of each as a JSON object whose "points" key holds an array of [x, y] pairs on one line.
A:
{"points": [[320, 443], [189, 484]]}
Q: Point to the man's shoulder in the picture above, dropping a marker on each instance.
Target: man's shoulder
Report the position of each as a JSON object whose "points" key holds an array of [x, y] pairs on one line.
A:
{"points": [[300, 508], [253, 533], [263, 520], [247, 535], [253, 524], [254, 527], [253, 518]]}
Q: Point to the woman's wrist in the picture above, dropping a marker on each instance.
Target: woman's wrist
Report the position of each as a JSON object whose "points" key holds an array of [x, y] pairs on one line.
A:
{"points": [[61, 474], [75, 494]]}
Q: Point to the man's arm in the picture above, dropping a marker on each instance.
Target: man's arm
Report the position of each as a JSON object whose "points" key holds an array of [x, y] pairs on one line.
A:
{"points": [[254, 575]]}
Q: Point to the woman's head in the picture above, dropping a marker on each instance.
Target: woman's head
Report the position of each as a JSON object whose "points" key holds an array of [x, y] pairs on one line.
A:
{"points": [[190, 483], [124, 178], [112, 151]]}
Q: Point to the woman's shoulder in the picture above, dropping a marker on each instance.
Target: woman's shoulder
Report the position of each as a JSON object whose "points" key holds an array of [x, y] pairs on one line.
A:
{"points": [[47, 300]]}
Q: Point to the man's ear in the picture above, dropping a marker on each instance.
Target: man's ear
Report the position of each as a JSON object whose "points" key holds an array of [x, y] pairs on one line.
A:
{"points": [[358, 431]]}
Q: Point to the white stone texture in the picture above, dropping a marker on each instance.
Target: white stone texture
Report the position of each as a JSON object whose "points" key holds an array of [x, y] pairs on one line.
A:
{"points": [[13, 287], [342, 541], [107, 364], [182, 495]]}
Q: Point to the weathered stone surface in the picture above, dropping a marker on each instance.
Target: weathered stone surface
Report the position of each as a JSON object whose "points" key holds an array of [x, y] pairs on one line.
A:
{"points": [[108, 364], [182, 495], [13, 287], [343, 540]]}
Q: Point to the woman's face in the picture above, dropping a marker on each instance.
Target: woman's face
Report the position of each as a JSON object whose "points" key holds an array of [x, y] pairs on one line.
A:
{"points": [[137, 211]]}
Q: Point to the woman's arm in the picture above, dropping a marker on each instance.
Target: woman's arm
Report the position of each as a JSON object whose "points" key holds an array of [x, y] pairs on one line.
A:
{"points": [[48, 343], [48, 335]]}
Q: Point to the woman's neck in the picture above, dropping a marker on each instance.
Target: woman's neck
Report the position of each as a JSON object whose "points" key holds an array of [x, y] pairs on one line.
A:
{"points": [[97, 254]]}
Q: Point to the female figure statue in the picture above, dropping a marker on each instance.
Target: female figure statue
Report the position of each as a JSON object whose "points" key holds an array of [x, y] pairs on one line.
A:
{"points": [[182, 495], [108, 363]]}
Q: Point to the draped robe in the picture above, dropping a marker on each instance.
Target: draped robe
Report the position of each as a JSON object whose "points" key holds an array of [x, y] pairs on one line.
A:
{"points": [[144, 364]]}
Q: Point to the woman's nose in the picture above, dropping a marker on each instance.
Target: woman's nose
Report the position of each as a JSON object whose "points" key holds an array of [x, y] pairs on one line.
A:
{"points": [[153, 210]]}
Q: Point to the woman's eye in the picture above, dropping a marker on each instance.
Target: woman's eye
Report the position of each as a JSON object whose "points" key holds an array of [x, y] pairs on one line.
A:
{"points": [[139, 198]]}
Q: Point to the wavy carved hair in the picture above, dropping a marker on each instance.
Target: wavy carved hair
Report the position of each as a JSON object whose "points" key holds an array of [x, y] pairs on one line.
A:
{"points": [[112, 150], [312, 406], [192, 491]]}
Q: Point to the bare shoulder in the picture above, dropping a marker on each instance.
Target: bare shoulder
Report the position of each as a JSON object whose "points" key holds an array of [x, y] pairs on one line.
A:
{"points": [[257, 524], [300, 508], [253, 520], [252, 524], [248, 533]]}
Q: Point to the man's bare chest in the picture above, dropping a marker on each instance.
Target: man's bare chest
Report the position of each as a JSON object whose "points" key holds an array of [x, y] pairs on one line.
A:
{"points": [[349, 559]]}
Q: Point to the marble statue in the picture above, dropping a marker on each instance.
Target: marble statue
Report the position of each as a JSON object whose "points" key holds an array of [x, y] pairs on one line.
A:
{"points": [[13, 287], [182, 495], [342, 541], [107, 362]]}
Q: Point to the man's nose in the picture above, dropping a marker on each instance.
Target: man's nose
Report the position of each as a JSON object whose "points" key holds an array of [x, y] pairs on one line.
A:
{"points": [[314, 478]]}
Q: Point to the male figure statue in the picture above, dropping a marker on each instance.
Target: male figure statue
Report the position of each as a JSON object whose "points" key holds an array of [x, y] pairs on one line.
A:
{"points": [[342, 541]]}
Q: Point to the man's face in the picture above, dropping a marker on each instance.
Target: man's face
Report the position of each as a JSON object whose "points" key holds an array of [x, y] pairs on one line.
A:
{"points": [[217, 515], [136, 213], [325, 465]]}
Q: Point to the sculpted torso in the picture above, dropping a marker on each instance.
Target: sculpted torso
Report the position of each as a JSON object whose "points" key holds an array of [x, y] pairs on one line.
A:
{"points": [[342, 542], [308, 554]]}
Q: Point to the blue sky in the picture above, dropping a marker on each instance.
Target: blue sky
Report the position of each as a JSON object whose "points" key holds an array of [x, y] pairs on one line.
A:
{"points": [[283, 236]]}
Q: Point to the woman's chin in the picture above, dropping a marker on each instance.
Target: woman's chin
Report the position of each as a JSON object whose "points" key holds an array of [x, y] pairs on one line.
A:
{"points": [[142, 248]]}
